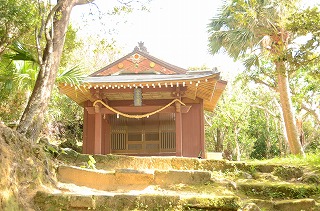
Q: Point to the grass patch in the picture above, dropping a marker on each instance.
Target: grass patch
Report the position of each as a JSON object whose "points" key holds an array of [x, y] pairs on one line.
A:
{"points": [[311, 160]]}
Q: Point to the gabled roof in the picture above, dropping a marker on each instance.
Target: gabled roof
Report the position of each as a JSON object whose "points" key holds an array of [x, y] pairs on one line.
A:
{"points": [[139, 62], [157, 78]]}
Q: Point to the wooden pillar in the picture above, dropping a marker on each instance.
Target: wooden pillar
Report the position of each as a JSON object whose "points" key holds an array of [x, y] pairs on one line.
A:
{"points": [[97, 130], [107, 146], [178, 130], [84, 134], [202, 132]]}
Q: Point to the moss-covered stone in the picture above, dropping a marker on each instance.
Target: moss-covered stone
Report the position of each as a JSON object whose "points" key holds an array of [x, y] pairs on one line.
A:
{"points": [[84, 202], [51, 202], [185, 163], [279, 190], [311, 179], [288, 172], [210, 203], [263, 168], [213, 165], [158, 202], [294, 205], [179, 176], [263, 204]]}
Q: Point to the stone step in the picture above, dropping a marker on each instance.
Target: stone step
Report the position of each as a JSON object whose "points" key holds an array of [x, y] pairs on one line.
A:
{"points": [[286, 205], [52, 202], [278, 190], [129, 179], [158, 201], [111, 162]]}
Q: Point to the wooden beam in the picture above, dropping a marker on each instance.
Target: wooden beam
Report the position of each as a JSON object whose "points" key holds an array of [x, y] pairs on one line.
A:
{"points": [[139, 109], [155, 102], [128, 90]]}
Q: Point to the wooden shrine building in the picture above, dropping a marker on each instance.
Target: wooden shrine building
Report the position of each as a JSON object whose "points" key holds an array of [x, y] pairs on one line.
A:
{"points": [[141, 105]]}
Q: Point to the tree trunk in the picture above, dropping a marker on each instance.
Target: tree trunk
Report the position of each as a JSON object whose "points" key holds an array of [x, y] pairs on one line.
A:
{"points": [[32, 119], [237, 149], [283, 143], [287, 109], [219, 144]]}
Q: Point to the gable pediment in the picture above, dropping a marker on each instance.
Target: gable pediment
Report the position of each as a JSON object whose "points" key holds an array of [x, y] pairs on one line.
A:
{"points": [[139, 62]]}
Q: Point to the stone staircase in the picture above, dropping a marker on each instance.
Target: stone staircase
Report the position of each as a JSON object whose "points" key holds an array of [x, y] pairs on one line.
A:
{"points": [[172, 183]]}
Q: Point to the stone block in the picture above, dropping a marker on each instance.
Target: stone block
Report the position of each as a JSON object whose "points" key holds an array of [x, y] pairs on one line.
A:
{"points": [[295, 205], [100, 180], [77, 201], [184, 177]]}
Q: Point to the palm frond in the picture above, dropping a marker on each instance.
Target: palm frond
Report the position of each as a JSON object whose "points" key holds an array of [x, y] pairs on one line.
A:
{"points": [[252, 61], [73, 76], [234, 42], [23, 81], [20, 52]]}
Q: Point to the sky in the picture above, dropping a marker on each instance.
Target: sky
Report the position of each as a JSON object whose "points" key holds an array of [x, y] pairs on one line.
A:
{"points": [[173, 30]]}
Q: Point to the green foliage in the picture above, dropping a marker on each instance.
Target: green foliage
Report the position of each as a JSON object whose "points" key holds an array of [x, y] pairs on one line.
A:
{"points": [[263, 132], [251, 113], [71, 44], [91, 163], [66, 120], [16, 19]]}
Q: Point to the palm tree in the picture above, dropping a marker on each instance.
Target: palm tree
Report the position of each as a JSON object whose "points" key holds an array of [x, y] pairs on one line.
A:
{"points": [[258, 28], [19, 70]]}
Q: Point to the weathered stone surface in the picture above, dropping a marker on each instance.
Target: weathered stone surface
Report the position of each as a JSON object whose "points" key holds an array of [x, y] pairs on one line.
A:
{"points": [[46, 201], [264, 168], [129, 179], [185, 177], [78, 201], [295, 205], [278, 190], [212, 165], [311, 179], [111, 162], [134, 178], [52, 202], [158, 202], [99, 180], [211, 203], [251, 207], [116, 202], [185, 163], [288, 172], [263, 204]]}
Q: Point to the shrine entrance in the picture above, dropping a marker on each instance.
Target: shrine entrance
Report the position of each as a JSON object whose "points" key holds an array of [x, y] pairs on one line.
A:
{"points": [[147, 136]]}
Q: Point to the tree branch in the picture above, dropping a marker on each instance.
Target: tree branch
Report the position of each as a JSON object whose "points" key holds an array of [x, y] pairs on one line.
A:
{"points": [[81, 2], [259, 81], [207, 121], [49, 18], [264, 109], [312, 112]]}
